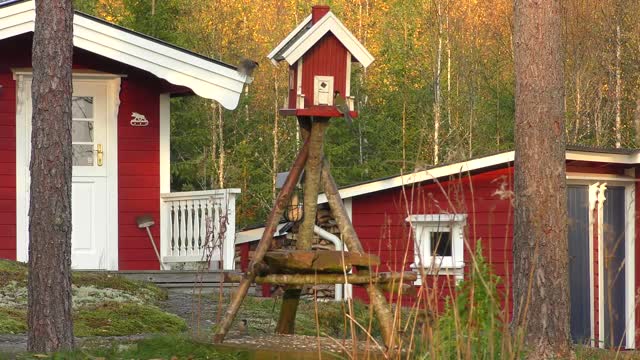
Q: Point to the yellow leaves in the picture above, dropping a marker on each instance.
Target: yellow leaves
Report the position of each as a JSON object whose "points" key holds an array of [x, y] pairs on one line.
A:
{"points": [[112, 10]]}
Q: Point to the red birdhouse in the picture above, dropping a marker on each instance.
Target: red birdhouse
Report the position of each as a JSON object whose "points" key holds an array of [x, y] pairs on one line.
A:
{"points": [[319, 52]]}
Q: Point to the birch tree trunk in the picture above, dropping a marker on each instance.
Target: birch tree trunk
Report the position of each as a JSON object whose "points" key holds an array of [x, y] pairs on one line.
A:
{"points": [[221, 147], [49, 288], [540, 249], [437, 97], [618, 125], [636, 120], [276, 118], [214, 143]]}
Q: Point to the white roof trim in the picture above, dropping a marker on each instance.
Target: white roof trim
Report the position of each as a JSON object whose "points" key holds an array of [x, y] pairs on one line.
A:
{"points": [[284, 42], [328, 23], [430, 174], [471, 165], [253, 234], [205, 78]]}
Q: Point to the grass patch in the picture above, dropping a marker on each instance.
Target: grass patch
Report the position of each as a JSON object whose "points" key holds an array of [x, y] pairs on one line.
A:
{"points": [[12, 271], [104, 304], [262, 314], [163, 347], [112, 319], [110, 281], [13, 321]]}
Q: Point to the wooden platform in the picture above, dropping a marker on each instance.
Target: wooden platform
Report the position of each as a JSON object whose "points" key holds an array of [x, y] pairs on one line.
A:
{"points": [[178, 279]]}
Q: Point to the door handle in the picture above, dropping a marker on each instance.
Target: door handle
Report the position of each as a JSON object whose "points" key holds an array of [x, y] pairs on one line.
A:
{"points": [[100, 154]]}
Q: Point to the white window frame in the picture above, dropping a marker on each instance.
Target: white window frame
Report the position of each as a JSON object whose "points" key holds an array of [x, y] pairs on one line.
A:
{"points": [[423, 226]]}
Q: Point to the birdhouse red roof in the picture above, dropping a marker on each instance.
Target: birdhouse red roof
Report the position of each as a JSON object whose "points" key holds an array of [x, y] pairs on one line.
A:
{"points": [[319, 52], [311, 31]]}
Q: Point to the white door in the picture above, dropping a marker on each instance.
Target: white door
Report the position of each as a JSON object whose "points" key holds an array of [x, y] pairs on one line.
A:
{"points": [[90, 159], [89, 194]]}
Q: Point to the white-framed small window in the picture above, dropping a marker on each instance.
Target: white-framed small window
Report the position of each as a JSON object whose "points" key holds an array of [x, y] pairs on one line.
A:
{"points": [[439, 242]]}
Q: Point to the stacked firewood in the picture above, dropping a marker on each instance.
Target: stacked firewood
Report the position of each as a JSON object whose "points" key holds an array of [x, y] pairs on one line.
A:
{"points": [[327, 223]]}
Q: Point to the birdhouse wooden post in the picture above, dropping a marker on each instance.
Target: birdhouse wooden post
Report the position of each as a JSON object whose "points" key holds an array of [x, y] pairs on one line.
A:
{"points": [[320, 52]]}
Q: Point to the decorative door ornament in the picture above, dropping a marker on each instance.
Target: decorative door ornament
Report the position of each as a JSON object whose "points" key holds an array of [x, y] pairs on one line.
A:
{"points": [[138, 119]]}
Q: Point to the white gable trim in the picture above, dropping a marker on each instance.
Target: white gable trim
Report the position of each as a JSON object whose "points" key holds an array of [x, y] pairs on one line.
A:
{"points": [[205, 78], [286, 40], [424, 175], [329, 22], [472, 165]]}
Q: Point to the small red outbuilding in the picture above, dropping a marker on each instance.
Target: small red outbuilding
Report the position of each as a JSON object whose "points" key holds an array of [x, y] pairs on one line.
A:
{"points": [[433, 219], [122, 84]]}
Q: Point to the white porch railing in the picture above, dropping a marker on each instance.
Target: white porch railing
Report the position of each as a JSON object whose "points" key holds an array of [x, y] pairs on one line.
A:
{"points": [[199, 226]]}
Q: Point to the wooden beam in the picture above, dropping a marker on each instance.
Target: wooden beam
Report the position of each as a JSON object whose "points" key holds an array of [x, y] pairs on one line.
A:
{"points": [[350, 238], [263, 246], [314, 279], [313, 130], [312, 261]]}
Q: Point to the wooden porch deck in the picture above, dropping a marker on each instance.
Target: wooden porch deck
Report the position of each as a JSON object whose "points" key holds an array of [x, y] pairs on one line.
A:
{"points": [[185, 279]]}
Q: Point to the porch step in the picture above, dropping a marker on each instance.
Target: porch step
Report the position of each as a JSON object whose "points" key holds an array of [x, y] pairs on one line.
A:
{"points": [[179, 279]]}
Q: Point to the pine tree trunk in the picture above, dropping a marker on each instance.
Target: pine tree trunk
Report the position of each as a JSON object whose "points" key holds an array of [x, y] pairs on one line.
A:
{"points": [[49, 300], [540, 249]]}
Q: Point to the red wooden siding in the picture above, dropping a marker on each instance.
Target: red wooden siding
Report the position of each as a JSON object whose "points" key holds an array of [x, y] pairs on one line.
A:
{"points": [[328, 57], [7, 164], [138, 151], [138, 173], [379, 220], [15, 53]]}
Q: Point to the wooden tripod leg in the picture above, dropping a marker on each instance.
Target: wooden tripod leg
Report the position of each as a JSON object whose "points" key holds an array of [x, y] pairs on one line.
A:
{"points": [[265, 241], [376, 295], [313, 169]]}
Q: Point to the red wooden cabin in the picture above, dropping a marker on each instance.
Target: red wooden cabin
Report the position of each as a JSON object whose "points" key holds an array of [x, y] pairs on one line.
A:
{"points": [[401, 219], [319, 52], [123, 82]]}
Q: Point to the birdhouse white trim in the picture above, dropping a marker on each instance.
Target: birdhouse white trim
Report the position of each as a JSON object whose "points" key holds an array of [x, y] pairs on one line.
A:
{"points": [[273, 54], [294, 46]]}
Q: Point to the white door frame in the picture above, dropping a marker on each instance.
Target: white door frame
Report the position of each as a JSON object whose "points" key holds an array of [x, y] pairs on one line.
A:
{"points": [[603, 181], [23, 102]]}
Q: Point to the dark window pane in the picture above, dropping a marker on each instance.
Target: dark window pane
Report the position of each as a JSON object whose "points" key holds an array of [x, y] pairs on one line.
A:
{"points": [[441, 244]]}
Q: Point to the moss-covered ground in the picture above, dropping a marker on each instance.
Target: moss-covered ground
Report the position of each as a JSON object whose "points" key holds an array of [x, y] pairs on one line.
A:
{"points": [[162, 347], [104, 304]]}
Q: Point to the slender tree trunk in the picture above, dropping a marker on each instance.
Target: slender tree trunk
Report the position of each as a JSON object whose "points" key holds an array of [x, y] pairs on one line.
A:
{"points": [[276, 118], [448, 45], [576, 131], [540, 249], [404, 135], [214, 143], [636, 120], [618, 128], [437, 95], [221, 146], [49, 289]]}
